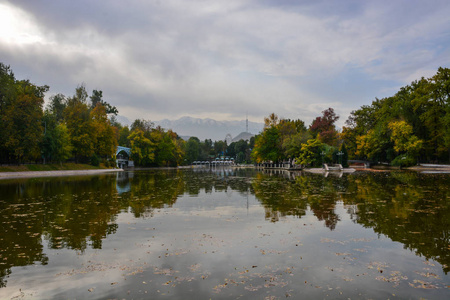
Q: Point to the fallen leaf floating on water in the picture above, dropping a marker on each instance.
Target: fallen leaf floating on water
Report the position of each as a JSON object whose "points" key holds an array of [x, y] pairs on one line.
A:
{"points": [[420, 284], [327, 240], [427, 274], [345, 278]]}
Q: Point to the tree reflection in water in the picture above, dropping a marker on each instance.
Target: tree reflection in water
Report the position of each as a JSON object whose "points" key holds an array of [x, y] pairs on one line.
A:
{"points": [[80, 212]]}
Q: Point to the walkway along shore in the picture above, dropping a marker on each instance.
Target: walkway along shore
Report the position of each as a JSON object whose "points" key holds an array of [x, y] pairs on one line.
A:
{"points": [[29, 174]]}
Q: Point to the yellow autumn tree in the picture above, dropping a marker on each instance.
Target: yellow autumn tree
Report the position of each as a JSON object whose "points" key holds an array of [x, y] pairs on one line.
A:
{"points": [[404, 139]]}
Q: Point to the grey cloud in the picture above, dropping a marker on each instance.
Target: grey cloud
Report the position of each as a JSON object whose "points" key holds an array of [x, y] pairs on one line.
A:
{"points": [[156, 59]]}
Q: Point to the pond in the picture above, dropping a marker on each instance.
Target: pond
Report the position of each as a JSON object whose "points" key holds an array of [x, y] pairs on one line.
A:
{"points": [[226, 234]]}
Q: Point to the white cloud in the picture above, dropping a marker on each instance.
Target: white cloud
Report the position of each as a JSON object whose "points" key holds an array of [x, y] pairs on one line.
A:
{"points": [[17, 27], [167, 59]]}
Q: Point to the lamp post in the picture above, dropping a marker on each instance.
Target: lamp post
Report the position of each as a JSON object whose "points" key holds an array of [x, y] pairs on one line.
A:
{"points": [[322, 154]]}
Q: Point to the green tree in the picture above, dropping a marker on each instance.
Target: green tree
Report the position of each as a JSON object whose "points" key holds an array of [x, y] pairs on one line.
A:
{"points": [[192, 149], [142, 148], [207, 149], [344, 155], [293, 138], [48, 145], [240, 150], [63, 148], [97, 98], [310, 153], [165, 148], [57, 105], [79, 125], [23, 122], [124, 133], [144, 125], [431, 102], [105, 140], [404, 140], [358, 124], [220, 148], [231, 150], [267, 146]]}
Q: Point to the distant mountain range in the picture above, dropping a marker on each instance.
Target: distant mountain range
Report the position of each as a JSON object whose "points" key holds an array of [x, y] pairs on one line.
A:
{"points": [[206, 128], [209, 128]]}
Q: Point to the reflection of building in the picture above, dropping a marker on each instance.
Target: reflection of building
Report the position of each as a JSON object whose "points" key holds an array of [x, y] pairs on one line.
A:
{"points": [[123, 155], [219, 161], [123, 183]]}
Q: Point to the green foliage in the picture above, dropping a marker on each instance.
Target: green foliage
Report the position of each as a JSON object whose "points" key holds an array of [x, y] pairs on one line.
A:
{"points": [[267, 145], [280, 139], [96, 99], [80, 127], [168, 151], [56, 106], [143, 149], [112, 163], [62, 148], [289, 139], [21, 119], [220, 148], [73, 128], [154, 146], [124, 133], [239, 150], [192, 149], [95, 161], [415, 121], [404, 161], [105, 141], [311, 153], [292, 144], [404, 140], [344, 157]]}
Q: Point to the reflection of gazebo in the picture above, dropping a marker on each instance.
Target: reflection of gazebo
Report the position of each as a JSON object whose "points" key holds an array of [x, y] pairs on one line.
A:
{"points": [[123, 182], [123, 155]]}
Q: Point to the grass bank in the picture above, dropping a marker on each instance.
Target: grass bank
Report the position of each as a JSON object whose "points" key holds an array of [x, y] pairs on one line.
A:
{"points": [[50, 167]]}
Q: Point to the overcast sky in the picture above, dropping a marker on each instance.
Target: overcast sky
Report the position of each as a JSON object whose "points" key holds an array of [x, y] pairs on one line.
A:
{"points": [[221, 59]]}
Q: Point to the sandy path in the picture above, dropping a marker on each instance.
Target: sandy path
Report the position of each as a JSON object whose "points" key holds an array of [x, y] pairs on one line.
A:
{"points": [[8, 175]]}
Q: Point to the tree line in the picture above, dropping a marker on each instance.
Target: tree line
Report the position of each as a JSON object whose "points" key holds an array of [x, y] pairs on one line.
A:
{"points": [[79, 128], [285, 139], [75, 127], [411, 126], [83, 128]]}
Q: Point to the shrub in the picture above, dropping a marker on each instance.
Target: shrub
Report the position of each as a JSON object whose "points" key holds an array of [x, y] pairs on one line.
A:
{"points": [[404, 161], [112, 163], [95, 161]]}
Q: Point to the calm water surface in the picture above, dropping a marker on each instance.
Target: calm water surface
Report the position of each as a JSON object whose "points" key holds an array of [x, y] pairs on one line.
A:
{"points": [[226, 234]]}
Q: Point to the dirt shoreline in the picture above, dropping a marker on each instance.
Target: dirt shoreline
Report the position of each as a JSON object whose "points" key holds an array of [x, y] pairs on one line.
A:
{"points": [[30, 174]]}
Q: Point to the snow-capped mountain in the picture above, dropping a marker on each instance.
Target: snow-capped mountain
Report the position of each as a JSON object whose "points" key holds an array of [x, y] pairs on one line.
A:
{"points": [[209, 128]]}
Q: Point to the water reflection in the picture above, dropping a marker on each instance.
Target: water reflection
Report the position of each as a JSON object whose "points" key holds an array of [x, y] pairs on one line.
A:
{"points": [[80, 212], [123, 183]]}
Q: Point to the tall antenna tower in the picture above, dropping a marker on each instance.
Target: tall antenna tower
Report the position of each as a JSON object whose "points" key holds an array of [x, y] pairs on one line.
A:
{"points": [[246, 122]]}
